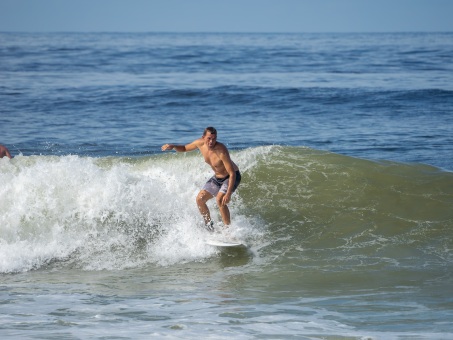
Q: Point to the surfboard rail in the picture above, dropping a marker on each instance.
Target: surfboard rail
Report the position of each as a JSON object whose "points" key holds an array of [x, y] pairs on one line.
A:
{"points": [[224, 243]]}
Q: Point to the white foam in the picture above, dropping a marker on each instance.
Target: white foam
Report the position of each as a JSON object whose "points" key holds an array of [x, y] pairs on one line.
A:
{"points": [[105, 213]]}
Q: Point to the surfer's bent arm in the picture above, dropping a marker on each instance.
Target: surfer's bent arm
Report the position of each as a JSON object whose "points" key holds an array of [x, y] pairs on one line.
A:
{"points": [[181, 148], [228, 163]]}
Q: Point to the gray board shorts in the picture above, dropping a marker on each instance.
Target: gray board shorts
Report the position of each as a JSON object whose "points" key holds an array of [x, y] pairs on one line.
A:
{"points": [[214, 184]]}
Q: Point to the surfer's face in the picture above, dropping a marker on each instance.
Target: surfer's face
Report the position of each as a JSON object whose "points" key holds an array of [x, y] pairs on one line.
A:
{"points": [[210, 139]]}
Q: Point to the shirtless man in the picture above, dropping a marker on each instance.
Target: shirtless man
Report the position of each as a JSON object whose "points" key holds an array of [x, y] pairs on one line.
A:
{"points": [[226, 174], [4, 152]]}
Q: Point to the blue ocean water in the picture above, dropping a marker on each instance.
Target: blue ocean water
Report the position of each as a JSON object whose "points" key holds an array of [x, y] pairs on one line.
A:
{"points": [[376, 96], [346, 204]]}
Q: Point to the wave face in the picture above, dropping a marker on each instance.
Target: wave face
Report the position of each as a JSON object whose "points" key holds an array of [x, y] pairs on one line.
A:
{"points": [[342, 214], [297, 208]]}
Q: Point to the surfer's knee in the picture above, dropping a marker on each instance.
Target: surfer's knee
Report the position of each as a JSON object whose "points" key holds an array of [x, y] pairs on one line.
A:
{"points": [[219, 198], [202, 197]]}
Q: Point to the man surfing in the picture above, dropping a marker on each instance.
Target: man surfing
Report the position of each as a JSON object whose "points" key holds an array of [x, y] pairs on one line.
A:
{"points": [[226, 174]]}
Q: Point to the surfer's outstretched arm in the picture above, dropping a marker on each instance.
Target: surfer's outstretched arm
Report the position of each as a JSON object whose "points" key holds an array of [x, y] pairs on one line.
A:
{"points": [[181, 148]]}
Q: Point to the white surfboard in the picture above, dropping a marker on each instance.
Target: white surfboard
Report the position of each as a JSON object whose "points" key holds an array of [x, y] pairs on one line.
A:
{"points": [[224, 243]]}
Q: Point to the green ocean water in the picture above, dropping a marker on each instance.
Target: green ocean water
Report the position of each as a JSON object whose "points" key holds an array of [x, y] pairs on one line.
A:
{"points": [[338, 248]]}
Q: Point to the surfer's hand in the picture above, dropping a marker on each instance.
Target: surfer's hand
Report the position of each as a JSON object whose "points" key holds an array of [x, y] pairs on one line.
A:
{"points": [[166, 147], [226, 199]]}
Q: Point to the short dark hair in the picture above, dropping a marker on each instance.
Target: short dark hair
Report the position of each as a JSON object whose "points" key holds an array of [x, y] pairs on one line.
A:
{"points": [[210, 129]]}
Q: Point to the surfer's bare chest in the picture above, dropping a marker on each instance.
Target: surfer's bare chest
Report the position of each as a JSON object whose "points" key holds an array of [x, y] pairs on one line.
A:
{"points": [[211, 157]]}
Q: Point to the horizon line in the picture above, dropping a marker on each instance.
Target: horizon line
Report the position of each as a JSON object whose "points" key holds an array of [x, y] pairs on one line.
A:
{"points": [[224, 32]]}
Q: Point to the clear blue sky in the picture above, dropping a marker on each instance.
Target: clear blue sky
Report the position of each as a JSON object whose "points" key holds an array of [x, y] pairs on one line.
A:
{"points": [[226, 15]]}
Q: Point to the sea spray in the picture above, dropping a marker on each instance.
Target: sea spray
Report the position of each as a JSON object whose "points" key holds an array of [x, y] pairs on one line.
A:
{"points": [[106, 213]]}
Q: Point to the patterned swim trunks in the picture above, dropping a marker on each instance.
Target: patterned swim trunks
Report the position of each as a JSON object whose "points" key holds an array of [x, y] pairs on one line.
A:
{"points": [[214, 184]]}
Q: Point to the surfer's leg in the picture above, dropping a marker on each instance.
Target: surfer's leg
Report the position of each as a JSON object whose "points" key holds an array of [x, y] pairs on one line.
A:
{"points": [[224, 211], [202, 197]]}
